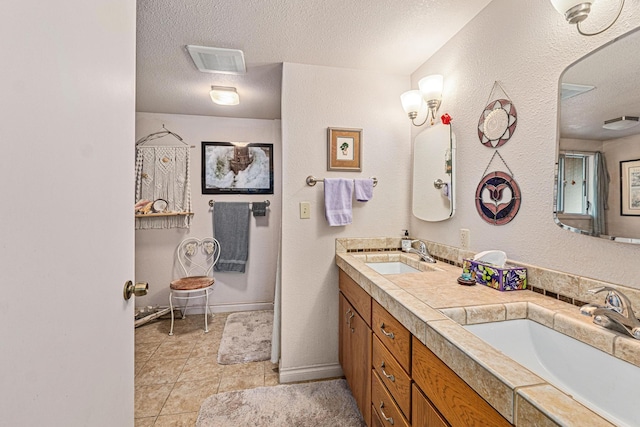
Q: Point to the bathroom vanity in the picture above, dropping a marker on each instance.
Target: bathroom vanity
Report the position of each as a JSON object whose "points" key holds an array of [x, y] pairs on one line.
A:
{"points": [[410, 362]]}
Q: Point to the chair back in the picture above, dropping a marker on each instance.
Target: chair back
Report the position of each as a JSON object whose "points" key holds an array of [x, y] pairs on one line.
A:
{"points": [[198, 256]]}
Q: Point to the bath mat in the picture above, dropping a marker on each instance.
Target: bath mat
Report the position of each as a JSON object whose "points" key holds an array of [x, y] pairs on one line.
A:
{"points": [[246, 337], [323, 403]]}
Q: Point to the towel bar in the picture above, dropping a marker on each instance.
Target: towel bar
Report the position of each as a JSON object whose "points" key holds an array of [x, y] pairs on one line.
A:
{"points": [[311, 180], [212, 202]]}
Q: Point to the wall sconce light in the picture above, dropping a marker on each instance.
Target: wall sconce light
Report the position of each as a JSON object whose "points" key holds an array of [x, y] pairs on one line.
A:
{"points": [[576, 11], [223, 95], [429, 94]]}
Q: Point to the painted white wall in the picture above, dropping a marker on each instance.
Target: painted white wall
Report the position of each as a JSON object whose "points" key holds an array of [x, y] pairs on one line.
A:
{"points": [[525, 46], [66, 245], [155, 249], [618, 150], [313, 99]]}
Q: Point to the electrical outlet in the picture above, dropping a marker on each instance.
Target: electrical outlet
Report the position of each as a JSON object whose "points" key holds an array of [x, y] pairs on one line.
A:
{"points": [[305, 210], [465, 238]]}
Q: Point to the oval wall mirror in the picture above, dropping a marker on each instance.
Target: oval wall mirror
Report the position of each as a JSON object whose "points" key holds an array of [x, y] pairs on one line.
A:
{"points": [[598, 164], [434, 154]]}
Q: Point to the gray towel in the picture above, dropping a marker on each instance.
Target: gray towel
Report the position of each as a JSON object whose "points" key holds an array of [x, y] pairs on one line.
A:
{"points": [[259, 208], [231, 229]]}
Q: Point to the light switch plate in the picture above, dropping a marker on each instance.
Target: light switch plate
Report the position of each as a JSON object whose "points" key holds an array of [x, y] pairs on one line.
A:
{"points": [[305, 210]]}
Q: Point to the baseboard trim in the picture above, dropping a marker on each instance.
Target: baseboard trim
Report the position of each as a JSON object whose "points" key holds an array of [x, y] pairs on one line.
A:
{"points": [[253, 306], [307, 373]]}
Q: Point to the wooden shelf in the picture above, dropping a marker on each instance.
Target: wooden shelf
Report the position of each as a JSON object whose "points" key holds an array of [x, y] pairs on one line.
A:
{"points": [[153, 215]]}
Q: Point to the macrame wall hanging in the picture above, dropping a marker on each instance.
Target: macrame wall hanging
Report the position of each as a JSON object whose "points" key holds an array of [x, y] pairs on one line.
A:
{"points": [[163, 193], [498, 195]]}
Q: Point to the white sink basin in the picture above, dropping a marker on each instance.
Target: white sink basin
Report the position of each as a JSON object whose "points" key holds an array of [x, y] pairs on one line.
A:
{"points": [[603, 383], [392, 267]]}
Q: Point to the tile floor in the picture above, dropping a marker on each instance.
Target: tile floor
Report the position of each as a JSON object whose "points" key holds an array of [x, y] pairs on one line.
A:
{"points": [[174, 375]]}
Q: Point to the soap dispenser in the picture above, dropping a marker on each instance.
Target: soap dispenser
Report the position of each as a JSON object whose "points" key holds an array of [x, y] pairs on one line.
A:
{"points": [[406, 241]]}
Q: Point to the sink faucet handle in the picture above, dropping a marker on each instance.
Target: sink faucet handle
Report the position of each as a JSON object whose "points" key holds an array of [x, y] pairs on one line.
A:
{"points": [[615, 300]]}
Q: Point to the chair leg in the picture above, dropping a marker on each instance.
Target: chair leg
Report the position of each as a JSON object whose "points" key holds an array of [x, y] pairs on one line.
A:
{"points": [[171, 308], [184, 312], [206, 312]]}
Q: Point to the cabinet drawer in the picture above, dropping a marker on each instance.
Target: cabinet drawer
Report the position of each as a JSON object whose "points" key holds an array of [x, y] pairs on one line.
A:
{"points": [[453, 397], [358, 297], [393, 376], [423, 414], [383, 404], [392, 334]]}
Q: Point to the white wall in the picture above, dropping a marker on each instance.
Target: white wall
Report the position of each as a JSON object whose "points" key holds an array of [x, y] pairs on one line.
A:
{"points": [[155, 249], [618, 150], [313, 99], [525, 46]]}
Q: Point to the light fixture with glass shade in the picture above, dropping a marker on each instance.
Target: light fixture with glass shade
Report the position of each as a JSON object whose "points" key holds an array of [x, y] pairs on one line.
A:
{"points": [[621, 123], [576, 11], [223, 95], [429, 94]]}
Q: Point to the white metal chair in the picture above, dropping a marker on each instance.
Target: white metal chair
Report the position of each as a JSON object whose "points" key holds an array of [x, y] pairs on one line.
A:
{"points": [[196, 258]]}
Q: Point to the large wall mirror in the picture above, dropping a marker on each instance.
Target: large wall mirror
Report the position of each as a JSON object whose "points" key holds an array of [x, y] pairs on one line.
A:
{"points": [[598, 165], [434, 157]]}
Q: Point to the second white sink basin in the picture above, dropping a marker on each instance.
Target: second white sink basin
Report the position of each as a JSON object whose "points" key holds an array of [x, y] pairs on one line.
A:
{"points": [[392, 267], [603, 383]]}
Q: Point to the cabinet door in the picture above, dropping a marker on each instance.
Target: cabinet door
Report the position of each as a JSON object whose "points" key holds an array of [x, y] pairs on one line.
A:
{"points": [[423, 412], [355, 356]]}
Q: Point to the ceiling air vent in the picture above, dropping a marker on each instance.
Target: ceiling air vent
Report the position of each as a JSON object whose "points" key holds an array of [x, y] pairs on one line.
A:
{"points": [[217, 60], [569, 90]]}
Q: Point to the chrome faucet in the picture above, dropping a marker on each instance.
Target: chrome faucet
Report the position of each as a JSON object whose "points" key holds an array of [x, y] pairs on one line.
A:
{"points": [[422, 251], [616, 313]]}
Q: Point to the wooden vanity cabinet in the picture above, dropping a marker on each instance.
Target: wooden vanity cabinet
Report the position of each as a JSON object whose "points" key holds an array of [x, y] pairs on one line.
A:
{"points": [[355, 342], [458, 403]]}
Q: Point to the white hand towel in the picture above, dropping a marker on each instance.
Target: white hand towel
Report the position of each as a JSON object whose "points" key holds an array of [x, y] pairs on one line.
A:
{"points": [[338, 193], [363, 189]]}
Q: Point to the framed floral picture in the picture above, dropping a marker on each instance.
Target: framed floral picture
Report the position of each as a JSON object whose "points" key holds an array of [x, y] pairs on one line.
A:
{"points": [[344, 149], [630, 187]]}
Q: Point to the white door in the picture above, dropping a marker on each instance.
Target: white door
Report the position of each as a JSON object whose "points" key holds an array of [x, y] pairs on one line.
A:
{"points": [[67, 81]]}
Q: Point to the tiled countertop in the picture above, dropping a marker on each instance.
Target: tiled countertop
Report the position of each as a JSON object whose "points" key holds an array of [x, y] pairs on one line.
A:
{"points": [[433, 306]]}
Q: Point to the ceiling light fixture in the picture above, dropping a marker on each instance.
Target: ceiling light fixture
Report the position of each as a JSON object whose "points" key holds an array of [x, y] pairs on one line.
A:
{"points": [[429, 94], [223, 95], [621, 123], [576, 11]]}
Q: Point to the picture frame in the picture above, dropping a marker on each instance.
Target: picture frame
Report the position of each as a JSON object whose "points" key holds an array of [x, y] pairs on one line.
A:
{"points": [[237, 168], [630, 187], [344, 149]]}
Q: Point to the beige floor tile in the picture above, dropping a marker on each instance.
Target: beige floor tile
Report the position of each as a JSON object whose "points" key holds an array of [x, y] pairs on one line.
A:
{"points": [[177, 420], [271, 379], [206, 348], [240, 383], [144, 351], [145, 422], [188, 396], [201, 369], [160, 371], [150, 398], [270, 367], [243, 369], [174, 349]]}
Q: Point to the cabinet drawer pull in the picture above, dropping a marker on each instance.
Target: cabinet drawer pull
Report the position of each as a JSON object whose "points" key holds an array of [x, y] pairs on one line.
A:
{"points": [[388, 419], [388, 334], [390, 377]]}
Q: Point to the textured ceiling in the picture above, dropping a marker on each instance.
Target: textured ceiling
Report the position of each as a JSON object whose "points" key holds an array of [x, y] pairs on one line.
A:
{"points": [[392, 36], [617, 83]]}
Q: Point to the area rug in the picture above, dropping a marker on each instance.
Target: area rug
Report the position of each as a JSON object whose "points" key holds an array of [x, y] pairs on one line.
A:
{"points": [[246, 337], [316, 404]]}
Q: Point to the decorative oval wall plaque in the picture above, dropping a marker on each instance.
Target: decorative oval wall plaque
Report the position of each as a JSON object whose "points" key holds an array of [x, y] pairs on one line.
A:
{"points": [[497, 123], [498, 198]]}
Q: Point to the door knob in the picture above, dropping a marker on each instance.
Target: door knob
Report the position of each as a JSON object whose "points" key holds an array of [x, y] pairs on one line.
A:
{"points": [[139, 289]]}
